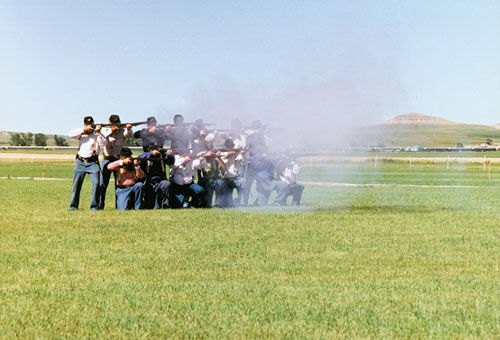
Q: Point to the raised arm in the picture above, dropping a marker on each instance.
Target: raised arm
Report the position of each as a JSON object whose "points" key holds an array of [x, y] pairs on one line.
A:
{"points": [[76, 133]]}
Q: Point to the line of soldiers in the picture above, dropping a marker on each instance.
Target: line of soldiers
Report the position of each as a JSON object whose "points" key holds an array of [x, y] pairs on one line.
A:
{"points": [[144, 182]]}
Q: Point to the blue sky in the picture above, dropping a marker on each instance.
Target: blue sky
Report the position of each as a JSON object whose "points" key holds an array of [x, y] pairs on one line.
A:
{"points": [[334, 62]]}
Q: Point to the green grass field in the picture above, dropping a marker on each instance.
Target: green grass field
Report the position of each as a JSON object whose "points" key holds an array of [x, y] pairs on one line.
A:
{"points": [[351, 262]]}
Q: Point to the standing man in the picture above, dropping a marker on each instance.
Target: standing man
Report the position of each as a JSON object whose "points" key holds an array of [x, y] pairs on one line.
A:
{"points": [[116, 141], [128, 186], [87, 161], [152, 134], [178, 134]]}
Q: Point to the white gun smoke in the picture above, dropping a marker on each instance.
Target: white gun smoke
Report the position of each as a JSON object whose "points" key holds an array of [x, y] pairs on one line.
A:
{"points": [[308, 113]]}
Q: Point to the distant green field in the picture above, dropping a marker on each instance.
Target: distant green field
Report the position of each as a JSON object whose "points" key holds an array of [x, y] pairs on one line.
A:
{"points": [[389, 262], [425, 135]]}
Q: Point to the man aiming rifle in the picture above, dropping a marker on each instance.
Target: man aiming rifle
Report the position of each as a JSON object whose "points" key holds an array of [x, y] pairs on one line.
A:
{"points": [[115, 136], [231, 163], [156, 187], [152, 134], [129, 188], [90, 141], [182, 180]]}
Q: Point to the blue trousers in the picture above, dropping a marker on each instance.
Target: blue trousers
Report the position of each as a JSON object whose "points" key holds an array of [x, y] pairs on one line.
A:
{"points": [[224, 191], [264, 190], [105, 177], [284, 190], [81, 169], [209, 187], [181, 193], [251, 172], [126, 198], [156, 194]]}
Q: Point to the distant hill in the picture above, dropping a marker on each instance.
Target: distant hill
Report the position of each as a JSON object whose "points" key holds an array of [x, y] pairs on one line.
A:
{"points": [[419, 129], [417, 118]]}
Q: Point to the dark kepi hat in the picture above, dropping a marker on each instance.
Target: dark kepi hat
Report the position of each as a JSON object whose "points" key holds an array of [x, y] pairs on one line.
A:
{"points": [[199, 123], [178, 118], [126, 152], [114, 119], [88, 120], [151, 120], [229, 143]]}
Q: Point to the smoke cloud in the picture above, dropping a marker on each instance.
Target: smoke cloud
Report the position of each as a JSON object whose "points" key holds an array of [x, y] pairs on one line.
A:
{"points": [[319, 112]]}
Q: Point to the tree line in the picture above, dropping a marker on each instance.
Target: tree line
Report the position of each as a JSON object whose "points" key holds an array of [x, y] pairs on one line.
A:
{"points": [[38, 139]]}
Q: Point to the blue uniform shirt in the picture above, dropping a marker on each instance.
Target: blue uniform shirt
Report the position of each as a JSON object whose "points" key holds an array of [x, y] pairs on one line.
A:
{"points": [[155, 169]]}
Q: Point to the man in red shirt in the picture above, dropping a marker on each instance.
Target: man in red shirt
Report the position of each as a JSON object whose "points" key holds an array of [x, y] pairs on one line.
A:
{"points": [[128, 187]]}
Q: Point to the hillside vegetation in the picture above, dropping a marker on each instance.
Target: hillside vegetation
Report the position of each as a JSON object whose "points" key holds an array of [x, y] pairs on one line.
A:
{"points": [[425, 134], [5, 139]]}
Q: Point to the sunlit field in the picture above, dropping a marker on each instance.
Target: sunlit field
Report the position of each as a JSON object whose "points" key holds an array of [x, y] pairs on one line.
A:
{"points": [[351, 262]]}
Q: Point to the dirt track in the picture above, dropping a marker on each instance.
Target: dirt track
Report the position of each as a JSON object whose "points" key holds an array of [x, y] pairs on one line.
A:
{"points": [[325, 159], [318, 184], [38, 157], [35, 157]]}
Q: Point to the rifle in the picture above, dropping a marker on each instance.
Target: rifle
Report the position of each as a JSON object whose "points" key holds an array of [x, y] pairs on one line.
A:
{"points": [[185, 125], [235, 150], [120, 125], [200, 154], [149, 159], [228, 131]]}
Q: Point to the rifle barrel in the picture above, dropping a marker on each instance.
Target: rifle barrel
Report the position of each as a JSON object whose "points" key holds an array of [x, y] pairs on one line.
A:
{"points": [[122, 125], [150, 159]]}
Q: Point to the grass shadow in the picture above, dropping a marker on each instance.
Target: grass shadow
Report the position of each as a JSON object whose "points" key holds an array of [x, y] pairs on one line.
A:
{"points": [[385, 209]]}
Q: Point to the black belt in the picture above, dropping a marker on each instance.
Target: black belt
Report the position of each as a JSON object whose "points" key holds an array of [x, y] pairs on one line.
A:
{"points": [[124, 186], [88, 159], [111, 158]]}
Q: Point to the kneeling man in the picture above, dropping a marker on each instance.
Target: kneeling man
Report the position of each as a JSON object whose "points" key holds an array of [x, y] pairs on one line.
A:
{"points": [[288, 186], [231, 163], [182, 181], [128, 186]]}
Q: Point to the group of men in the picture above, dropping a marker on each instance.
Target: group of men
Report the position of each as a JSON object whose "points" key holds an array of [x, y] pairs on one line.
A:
{"points": [[196, 165]]}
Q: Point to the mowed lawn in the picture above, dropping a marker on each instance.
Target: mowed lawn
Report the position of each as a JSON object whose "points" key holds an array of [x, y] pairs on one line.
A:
{"points": [[350, 263]]}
